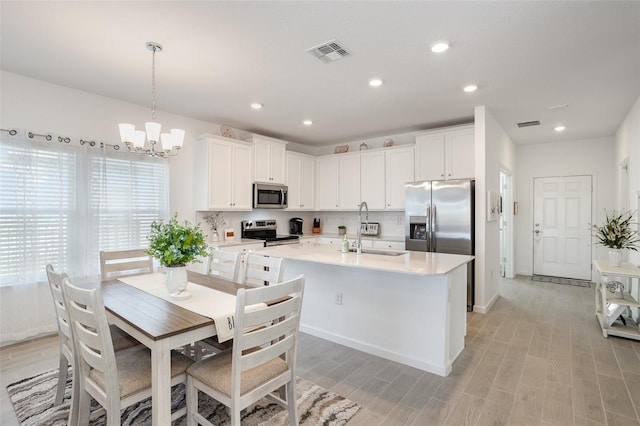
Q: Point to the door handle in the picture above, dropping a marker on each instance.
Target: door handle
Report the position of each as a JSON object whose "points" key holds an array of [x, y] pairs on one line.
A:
{"points": [[537, 231], [433, 228]]}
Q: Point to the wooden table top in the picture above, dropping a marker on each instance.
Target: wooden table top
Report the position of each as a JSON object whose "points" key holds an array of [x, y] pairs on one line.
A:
{"points": [[156, 317]]}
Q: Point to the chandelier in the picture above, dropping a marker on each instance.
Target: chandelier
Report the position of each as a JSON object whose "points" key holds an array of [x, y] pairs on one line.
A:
{"points": [[134, 139]]}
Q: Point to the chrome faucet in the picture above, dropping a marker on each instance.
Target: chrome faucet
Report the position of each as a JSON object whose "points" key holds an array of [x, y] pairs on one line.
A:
{"points": [[358, 243]]}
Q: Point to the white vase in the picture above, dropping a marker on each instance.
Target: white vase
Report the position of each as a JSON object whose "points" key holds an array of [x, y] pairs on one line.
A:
{"points": [[215, 236], [176, 278], [615, 257]]}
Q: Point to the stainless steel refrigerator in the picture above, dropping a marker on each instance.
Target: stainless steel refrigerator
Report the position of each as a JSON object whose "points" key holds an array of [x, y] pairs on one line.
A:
{"points": [[440, 217]]}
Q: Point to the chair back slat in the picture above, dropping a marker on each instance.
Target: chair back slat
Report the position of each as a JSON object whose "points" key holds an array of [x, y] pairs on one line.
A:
{"points": [[224, 264], [55, 285], [280, 324], [275, 350], [123, 263], [261, 270], [91, 331]]}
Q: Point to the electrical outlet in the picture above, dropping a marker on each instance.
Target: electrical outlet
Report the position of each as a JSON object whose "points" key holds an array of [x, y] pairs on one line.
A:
{"points": [[338, 298]]}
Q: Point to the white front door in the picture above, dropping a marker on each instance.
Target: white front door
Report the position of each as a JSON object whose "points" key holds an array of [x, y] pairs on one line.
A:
{"points": [[561, 235]]}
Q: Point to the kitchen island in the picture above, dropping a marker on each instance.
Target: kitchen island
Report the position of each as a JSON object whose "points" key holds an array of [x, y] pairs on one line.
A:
{"points": [[409, 308]]}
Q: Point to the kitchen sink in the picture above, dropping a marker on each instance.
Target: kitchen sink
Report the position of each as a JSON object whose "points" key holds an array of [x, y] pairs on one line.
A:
{"points": [[381, 252]]}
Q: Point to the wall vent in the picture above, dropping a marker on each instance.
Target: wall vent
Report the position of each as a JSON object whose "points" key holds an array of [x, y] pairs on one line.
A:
{"points": [[529, 123], [330, 51]]}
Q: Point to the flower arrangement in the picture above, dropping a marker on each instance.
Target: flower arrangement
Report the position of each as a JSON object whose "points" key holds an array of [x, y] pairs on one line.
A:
{"points": [[175, 244], [617, 231], [215, 220]]}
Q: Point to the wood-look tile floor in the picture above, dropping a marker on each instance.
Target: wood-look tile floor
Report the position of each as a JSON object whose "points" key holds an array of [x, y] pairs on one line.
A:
{"points": [[537, 358]]}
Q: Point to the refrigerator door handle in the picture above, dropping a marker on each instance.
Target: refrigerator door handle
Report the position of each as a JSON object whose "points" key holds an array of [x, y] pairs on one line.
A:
{"points": [[428, 225], [433, 228]]}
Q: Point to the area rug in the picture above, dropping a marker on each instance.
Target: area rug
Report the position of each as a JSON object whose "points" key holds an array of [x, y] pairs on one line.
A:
{"points": [[559, 280], [32, 400]]}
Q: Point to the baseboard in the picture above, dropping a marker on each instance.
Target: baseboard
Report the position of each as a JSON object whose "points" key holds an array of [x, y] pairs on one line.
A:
{"points": [[378, 351], [486, 308]]}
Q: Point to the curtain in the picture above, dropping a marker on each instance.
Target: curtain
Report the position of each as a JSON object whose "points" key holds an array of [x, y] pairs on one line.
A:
{"points": [[62, 202]]}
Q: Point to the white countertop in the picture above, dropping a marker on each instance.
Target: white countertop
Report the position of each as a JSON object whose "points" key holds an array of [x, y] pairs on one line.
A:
{"points": [[413, 262]]}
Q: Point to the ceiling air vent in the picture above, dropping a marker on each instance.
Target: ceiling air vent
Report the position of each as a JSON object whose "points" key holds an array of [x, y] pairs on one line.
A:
{"points": [[529, 123], [330, 51]]}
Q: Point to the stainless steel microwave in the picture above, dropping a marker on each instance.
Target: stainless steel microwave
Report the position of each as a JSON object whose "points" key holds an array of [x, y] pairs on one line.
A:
{"points": [[269, 196]]}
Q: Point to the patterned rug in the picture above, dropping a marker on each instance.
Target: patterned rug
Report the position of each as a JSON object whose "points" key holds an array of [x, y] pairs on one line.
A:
{"points": [[32, 400], [559, 280]]}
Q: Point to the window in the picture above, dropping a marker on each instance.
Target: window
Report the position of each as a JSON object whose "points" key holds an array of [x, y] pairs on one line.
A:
{"points": [[62, 204]]}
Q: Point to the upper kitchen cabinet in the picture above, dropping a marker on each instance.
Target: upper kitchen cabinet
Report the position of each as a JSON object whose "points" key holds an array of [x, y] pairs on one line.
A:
{"points": [[222, 174], [338, 182], [327, 183], [268, 160], [372, 179], [398, 171], [445, 154], [301, 181]]}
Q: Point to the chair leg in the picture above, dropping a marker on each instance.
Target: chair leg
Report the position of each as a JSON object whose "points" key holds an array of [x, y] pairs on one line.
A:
{"points": [[63, 373], [235, 417], [84, 406], [292, 402], [192, 401]]}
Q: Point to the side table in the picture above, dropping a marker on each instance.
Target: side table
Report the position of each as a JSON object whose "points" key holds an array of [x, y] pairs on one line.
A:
{"points": [[609, 307]]}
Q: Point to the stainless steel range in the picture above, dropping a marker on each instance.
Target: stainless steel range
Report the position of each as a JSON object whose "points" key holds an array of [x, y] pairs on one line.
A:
{"points": [[266, 230]]}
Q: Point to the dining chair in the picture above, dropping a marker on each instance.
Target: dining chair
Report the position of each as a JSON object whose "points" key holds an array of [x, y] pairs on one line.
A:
{"points": [[123, 263], [115, 380], [263, 358], [121, 340], [261, 270], [224, 264]]}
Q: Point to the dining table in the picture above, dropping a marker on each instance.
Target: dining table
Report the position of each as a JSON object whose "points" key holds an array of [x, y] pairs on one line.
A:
{"points": [[161, 326]]}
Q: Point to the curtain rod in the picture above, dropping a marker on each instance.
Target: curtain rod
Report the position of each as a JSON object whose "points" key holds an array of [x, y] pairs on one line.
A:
{"points": [[61, 139]]}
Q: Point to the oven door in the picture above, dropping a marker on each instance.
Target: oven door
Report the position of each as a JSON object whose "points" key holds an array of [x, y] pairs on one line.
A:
{"points": [[269, 196]]}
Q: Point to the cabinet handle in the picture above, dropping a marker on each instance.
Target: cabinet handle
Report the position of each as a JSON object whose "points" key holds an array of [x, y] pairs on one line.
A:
{"points": [[442, 175], [301, 205], [449, 174]]}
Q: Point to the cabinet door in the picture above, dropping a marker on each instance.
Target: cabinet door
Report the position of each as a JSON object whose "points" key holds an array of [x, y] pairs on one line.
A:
{"points": [[349, 182], [220, 175], [460, 154], [429, 157], [277, 162], [399, 171], [294, 171], [327, 183], [307, 183], [261, 163], [372, 182], [394, 245], [242, 189]]}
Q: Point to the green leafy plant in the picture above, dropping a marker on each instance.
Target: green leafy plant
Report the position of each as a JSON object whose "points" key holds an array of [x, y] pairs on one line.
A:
{"points": [[175, 244], [617, 231]]}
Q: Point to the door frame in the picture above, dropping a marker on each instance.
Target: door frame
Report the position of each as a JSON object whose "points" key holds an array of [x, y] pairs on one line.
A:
{"points": [[532, 219], [508, 214]]}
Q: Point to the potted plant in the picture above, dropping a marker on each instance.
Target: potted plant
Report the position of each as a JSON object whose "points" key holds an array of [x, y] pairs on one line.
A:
{"points": [[175, 245], [617, 234], [342, 230]]}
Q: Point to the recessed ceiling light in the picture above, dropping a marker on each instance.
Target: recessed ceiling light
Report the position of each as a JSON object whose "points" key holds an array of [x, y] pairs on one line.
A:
{"points": [[307, 122], [439, 47], [559, 128], [375, 82], [470, 88], [256, 105]]}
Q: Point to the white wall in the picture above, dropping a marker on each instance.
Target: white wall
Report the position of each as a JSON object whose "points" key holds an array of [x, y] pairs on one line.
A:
{"points": [[43, 107], [494, 150], [582, 157], [627, 148]]}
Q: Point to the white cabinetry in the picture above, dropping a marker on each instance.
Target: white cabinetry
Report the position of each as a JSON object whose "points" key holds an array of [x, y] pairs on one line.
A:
{"points": [[394, 245], [222, 174], [445, 154], [327, 183], [372, 179], [301, 181], [349, 181], [268, 160], [398, 171]]}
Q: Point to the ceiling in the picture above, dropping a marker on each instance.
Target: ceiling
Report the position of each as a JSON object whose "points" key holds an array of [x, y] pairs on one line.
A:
{"points": [[220, 56]]}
